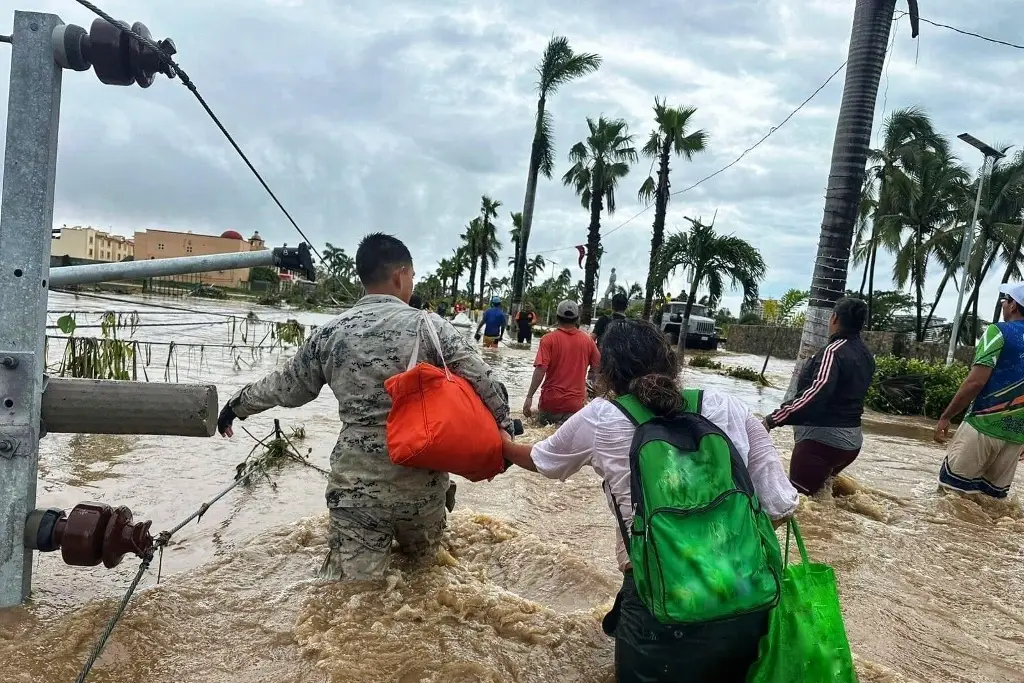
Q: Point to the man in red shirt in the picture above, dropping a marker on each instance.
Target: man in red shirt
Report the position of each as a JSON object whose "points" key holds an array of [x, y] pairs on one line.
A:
{"points": [[564, 357]]}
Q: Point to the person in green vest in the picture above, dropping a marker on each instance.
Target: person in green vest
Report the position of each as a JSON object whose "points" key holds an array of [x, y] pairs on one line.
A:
{"points": [[717, 570], [982, 457]]}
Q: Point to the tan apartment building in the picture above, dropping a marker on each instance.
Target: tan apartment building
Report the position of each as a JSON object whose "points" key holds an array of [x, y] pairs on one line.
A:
{"points": [[90, 243], [154, 244]]}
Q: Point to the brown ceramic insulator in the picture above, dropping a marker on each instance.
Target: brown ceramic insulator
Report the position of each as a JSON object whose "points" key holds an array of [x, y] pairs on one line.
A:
{"points": [[122, 536], [81, 543]]}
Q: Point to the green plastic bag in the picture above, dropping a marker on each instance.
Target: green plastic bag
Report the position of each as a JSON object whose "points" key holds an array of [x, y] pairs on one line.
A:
{"points": [[806, 638]]}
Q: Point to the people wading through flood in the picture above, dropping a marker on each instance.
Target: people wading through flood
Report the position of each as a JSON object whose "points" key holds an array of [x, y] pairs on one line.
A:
{"points": [[373, 502], [492, 323], [829, 403], [525, 320], [565, 356], [619, 305], [722, 546], [982, 457]]}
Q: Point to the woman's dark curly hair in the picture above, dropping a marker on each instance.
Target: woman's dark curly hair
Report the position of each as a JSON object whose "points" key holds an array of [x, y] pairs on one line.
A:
{"points": [[637, 359]]}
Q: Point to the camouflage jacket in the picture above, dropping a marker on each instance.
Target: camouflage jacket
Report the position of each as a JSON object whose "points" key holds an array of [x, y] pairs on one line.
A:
{"points": [[354, 354]]}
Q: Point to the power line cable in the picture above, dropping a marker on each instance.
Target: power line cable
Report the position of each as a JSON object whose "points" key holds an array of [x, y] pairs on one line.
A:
{"points": [[727, 166], [972, 34], [187, 82]]}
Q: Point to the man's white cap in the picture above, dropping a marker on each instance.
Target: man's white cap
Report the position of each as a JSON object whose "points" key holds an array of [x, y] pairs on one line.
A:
{"points": [[1014, 290]]}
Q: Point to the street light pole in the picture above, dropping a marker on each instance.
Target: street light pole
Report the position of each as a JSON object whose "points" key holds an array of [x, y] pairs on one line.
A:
{"points": [[965, 251]]}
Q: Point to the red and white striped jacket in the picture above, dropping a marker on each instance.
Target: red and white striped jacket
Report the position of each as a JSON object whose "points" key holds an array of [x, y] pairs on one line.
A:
{"points": [[832, 386]]}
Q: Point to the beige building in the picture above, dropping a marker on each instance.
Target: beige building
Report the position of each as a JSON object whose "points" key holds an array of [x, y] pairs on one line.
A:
{"points": [[90, 243], [154, 244]]}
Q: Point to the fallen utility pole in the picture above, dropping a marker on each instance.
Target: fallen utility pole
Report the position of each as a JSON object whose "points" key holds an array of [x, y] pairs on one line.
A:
{"points": [[291, 258], [30, 403]]}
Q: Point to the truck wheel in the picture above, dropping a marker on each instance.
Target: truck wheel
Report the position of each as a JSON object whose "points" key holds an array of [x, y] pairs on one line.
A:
{"points": [[713, 345]]}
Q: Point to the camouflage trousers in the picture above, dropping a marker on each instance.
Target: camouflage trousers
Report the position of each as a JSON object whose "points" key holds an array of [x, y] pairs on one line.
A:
{"points": [[360, 539]]}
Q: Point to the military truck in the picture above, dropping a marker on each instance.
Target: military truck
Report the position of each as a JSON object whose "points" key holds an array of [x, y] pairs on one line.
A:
{"points": [[701, 332]]}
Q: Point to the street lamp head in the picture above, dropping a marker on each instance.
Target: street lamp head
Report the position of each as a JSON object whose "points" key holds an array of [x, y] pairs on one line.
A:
{"points": [[987, 150]]}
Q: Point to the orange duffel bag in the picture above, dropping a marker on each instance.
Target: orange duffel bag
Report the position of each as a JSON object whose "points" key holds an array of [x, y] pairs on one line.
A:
{"points": [[438, 422]]}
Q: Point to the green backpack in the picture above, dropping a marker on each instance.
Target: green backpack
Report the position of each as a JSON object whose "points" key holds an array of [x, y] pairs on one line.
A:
{"points": [[701, 547]]}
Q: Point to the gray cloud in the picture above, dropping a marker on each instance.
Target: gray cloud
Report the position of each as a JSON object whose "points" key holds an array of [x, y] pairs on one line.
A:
{"points": [[398, 116]]}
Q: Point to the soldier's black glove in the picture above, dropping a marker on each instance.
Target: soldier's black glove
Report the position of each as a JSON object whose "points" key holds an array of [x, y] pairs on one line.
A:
{"points": [[226, 419]]}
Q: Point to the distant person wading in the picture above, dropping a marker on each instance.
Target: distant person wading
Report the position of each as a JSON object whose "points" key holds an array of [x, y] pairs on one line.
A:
{"points": [[492, 323], [525, 320], [619, 305], [563, 359]]}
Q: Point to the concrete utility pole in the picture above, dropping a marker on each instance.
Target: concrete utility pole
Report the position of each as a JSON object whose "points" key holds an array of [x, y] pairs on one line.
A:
{"points": [[42, 45]]}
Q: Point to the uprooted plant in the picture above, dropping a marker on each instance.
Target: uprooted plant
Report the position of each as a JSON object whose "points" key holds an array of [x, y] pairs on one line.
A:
{"points": [[272, 453]]}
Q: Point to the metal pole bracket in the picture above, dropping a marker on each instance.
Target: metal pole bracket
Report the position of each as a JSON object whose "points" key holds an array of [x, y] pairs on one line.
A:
{"points": [[17, 383]]}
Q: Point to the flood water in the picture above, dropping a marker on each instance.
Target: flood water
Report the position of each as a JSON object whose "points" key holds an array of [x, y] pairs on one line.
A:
{"points": [[932, 585]]}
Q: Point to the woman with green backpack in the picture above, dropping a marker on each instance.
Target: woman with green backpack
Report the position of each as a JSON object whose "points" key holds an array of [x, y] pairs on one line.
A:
{"points": [[695, 485]]}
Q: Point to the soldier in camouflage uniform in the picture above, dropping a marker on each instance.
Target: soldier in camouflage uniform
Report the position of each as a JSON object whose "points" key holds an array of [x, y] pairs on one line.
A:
{"points": [[372, 501]]}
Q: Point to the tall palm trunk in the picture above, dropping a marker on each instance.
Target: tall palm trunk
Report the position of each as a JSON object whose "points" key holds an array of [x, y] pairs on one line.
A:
{"points": [[518, 272], [684, 326], [867, 266], [972, 303], [871, 282], [471, 287], [658, 231], [918, 284], [455, 288], [872, 20], [1010, 262], [483, 279], [593, 251], [938, 297]]}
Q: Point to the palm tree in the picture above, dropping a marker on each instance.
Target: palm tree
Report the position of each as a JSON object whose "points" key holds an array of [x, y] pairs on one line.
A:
{"points": [[869, 38], [1001, 205], [908, 136], [533, 267], [598, 164], [934, 204], [444, 273], [558, 66], [710, 259], [459, 261], [488, 245], [516, 233], [1013, 263], [670, 137], [472, 240]]}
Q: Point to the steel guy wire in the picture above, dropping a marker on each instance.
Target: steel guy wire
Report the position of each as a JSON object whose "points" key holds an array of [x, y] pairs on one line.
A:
{"points": [[187, 82], [162, 539]]}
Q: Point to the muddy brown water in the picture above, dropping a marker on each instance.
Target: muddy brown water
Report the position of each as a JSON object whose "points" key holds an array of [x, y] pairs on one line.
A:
{"points": [[932, 585]]}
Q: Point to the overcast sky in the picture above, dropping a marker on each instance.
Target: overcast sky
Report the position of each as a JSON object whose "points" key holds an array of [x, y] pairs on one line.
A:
{"points": [[397, 116]]}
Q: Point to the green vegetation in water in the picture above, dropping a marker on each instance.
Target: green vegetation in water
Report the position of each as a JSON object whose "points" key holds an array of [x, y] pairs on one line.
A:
{"points": [[272, 453], [904, 386], [290, 332], [742, 372], [705, 362], [105, 357]]}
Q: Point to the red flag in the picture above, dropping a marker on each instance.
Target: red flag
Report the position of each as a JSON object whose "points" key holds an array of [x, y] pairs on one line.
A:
{"points": [[583, 253]]}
